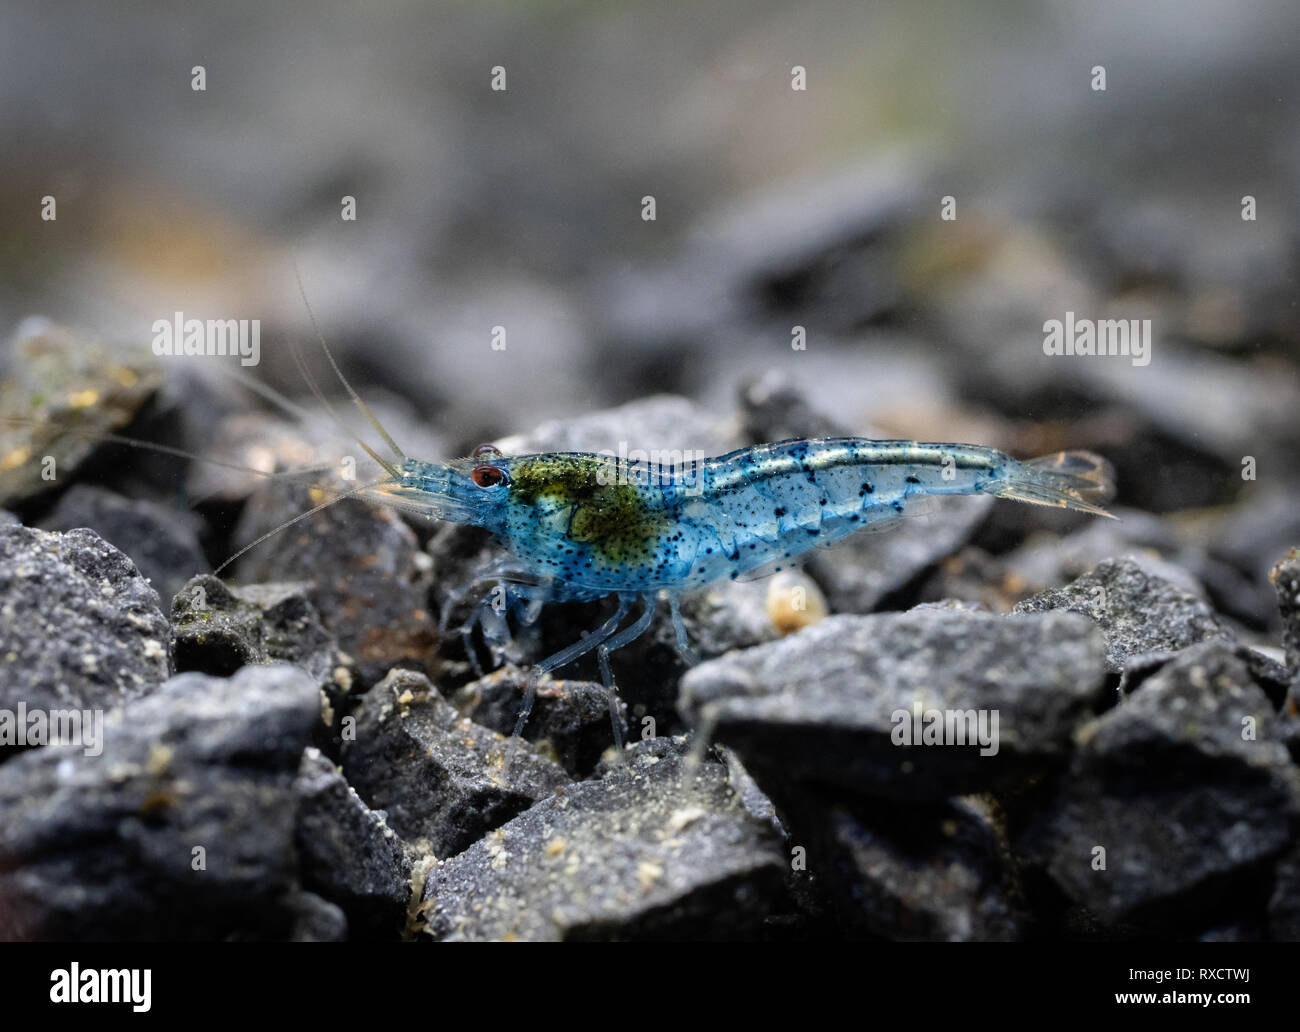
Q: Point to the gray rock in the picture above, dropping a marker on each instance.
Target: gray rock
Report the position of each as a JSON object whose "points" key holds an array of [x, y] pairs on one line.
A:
{"points": [[79, 626], [1246, 539], [1173, 790], [347, 853], [439, 777], [1137, 610], [935, 872], [8, 519], [752, 798], [316, 919], [1284, 906], [661, 422], [217, 629], [1286, 579], [571, 718], [368, 575], [773, 407], [163, 543], [828, 704], [182, 829], [1268, 674], [642, 852], [69, 388]]}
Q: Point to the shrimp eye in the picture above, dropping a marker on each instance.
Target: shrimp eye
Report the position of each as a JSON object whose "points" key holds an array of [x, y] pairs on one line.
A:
{"points": [[485, 449], [487, 476]]}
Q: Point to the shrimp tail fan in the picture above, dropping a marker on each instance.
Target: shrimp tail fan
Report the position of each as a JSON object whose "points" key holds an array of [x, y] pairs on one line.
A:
{"points": [[1065, 480]]}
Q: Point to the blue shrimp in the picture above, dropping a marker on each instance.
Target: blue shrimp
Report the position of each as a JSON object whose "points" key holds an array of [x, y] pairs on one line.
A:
{"points": [[579, 527]]}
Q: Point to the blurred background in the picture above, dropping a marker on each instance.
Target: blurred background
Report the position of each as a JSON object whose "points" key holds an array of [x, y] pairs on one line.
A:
{"points": [[774, 208]]}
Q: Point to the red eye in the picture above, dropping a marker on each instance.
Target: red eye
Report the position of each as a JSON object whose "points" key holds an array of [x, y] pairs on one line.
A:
{"points": [[487, 476], [485, 449]]}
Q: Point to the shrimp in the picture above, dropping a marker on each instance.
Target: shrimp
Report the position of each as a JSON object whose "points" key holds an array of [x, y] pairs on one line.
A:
{"points": [[583, 526]]}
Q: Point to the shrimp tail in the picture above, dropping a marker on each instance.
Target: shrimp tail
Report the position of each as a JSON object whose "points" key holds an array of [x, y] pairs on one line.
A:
{"points": [[1066, 480]]}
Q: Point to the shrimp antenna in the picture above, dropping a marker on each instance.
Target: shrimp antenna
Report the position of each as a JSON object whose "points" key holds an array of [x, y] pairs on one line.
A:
{"points": [[320, 396], [356, 398], [166, 449]]}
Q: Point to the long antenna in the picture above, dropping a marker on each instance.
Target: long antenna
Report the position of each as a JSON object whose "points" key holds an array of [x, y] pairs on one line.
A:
{"points": [[356, 398], [165, 449], [320, 396], [291, 475]]}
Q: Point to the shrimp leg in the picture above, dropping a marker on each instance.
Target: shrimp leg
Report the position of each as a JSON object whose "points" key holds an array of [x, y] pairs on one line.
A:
{"points": [[679, 628], [568, 655], [626, 636]]}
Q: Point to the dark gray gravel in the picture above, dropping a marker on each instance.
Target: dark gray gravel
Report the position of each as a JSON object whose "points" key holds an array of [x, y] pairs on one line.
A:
{"points": [[1137, 610], [823, 705], [785, 288], [930, 872], [217, 629], [570, 718], [347, 853], [163, 544], [182, 829], [642, 852], [79, 626], [1185, 787], [368, 576], [442, 779], [1286, 579]]}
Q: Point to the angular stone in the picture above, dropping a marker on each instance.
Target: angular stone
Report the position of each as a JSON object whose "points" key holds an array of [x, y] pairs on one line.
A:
{"points": [[1185, 787], [828, 704], [641, 853], [1286, 579], [183, 828], [1137, 610], [217, 629], [79, 626], [368, 575], [163, 543], [570, 717], [347, 853], [68, 389], [438, 776]]}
